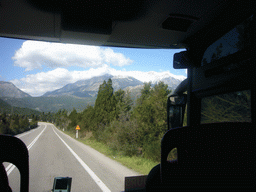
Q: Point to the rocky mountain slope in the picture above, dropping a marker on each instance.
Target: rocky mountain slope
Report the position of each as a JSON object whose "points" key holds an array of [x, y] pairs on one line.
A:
{"points": [[8, 89], [90, 87]]}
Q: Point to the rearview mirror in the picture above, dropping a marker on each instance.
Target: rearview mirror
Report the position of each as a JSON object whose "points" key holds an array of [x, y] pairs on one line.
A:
{"points": [[181, 60], [175, 110]]}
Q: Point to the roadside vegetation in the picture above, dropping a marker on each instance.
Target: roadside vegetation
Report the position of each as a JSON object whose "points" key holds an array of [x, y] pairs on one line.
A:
{"points": [[13, 124], [127, 131], [15, 120]]}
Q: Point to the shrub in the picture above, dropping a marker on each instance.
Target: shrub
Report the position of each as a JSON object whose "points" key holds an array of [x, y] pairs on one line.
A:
{"points": [[152, 150]]}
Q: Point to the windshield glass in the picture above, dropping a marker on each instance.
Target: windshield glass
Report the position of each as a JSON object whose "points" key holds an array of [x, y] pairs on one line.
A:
{"points": [[59, 99]]}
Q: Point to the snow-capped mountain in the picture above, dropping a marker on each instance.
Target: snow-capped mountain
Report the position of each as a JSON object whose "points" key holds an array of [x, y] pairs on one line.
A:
{"points": [[90, 87], [155, 77]]}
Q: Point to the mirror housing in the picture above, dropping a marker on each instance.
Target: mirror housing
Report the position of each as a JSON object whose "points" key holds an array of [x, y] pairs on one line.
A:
{"points": [[176, 105], [182, 60]]}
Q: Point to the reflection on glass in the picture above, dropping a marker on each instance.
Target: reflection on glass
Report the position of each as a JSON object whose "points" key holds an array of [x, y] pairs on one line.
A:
{"points": [[232, 42], [175, 116], [230, 107]]}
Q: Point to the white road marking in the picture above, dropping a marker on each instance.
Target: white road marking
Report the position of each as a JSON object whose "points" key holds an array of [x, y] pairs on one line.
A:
{"points": [[25, 133], [10, 167], [31, 131], [89, 171], [33, 142]]}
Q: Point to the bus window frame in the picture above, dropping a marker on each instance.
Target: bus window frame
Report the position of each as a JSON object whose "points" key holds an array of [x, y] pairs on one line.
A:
{"points": [[235, 83]]}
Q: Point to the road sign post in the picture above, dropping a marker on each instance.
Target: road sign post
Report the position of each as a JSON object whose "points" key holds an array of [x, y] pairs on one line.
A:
{"points": [[77, 128]]}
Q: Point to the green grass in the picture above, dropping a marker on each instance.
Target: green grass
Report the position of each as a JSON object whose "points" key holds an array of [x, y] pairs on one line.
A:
{"points": [[138, 164]]}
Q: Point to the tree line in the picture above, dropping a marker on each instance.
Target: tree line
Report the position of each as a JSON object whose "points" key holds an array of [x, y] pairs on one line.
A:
{"points": [[13, 124], [127, 127]]}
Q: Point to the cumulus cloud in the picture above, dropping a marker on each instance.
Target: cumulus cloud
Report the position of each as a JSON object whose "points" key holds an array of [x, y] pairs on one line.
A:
{"points": [[40, 83], [36, 54]]}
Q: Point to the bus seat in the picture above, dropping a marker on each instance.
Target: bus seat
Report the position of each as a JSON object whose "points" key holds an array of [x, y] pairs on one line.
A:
{"points": [[13, 150], [211, 157]]}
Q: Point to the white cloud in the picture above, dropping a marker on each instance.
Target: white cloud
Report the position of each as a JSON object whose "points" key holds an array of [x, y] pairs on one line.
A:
{"points": [[40, 83], [36, 54], [117, 59]]}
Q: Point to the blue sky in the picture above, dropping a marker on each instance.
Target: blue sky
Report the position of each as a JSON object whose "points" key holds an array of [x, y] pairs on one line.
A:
{"points": [[36, 67]]}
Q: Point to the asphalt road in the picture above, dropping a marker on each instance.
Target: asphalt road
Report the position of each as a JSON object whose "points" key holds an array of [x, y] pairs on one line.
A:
{"points": [[54, 154]]}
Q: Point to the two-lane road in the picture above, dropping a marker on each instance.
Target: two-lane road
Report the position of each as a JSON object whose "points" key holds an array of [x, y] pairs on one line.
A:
{"points": [[54, 154]]}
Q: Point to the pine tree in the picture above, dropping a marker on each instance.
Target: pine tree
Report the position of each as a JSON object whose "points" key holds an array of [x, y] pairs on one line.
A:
{"points": [[145, 92], [73, 118], [150, 113], [123, 102], [88, 120], [105, 103]]}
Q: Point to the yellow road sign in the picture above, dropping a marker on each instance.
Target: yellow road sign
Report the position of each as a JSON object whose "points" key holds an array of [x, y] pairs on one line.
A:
{"points": [[77, 127]]}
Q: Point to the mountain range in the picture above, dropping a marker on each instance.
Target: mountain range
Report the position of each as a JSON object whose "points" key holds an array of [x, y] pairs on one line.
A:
{"points": [[90, 87], [8, 89], [7, 108], [75, 95]]}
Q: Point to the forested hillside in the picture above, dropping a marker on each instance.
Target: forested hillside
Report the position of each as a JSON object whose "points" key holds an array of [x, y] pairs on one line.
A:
{"points": [[51, 104], [133, 129], [9, 109], [15, 120], [13, 124]]}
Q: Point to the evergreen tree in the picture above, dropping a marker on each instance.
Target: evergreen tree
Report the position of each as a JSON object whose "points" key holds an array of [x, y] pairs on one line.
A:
{"points": [[61, 119], [145, 92], [123, 102], [14, 124], [73, 118], [88, 120], [4, 124], [105, 103], [151, 114], [23, 123]]}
